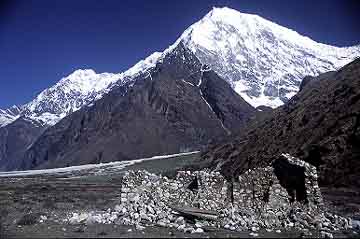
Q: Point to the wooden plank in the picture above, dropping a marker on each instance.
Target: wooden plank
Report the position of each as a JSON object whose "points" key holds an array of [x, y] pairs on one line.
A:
{"points": [[195, 212]]}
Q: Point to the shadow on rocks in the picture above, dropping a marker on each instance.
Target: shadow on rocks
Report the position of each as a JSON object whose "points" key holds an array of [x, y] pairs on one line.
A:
{"points": [[28, 219], [3, 214]]}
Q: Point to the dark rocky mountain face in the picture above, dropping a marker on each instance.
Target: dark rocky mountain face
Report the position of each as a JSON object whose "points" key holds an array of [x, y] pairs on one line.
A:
{"points": [[321, 125], [15, 138], [179, 105]]}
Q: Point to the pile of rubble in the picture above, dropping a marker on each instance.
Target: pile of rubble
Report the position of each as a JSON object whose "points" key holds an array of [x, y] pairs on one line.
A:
{"points": [[282, 196]]}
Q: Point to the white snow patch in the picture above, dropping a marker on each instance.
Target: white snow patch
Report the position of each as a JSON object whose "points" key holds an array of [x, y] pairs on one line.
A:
{"points": [[200, 81], [7, 119], [186, 82], [272, 102], [290, 94]]}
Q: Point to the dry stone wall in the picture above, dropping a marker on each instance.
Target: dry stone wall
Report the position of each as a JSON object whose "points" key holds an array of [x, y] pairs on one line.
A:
{"points": [[287, 180], [210, 188], [284, 195]]}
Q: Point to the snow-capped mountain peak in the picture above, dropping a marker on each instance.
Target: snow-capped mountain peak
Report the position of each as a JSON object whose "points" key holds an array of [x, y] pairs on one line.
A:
{"points": [[263, 61], [9, 115], [80, 88], [68, 95]]}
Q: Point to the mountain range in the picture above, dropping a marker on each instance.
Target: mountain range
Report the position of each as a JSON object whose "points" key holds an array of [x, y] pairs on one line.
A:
{"points": [[204, 87], [262, 61]]}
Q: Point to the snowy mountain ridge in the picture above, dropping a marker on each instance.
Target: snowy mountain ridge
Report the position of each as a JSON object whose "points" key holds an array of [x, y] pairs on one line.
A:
{"points": [[263, 61], [80, 88], [9, 115]]}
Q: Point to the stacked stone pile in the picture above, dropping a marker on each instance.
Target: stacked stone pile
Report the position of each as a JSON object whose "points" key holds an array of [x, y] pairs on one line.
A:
{"points": [[295, 216], [262, 199]]}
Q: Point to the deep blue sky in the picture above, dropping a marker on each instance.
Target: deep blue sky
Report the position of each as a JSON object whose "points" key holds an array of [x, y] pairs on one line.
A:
{"points": [[43, 40]]}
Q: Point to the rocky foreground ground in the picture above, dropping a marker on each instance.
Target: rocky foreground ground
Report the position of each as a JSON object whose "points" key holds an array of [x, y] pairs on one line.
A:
{"points": [[144, 204]]}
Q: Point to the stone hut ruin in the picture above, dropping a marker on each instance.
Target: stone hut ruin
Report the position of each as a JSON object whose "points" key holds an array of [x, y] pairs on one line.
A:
{"points": [[285, 181], [283, 195]]}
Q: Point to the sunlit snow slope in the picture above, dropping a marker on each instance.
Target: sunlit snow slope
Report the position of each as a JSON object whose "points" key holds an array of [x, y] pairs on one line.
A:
{"points": [[264, 62], [9, 115]]}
